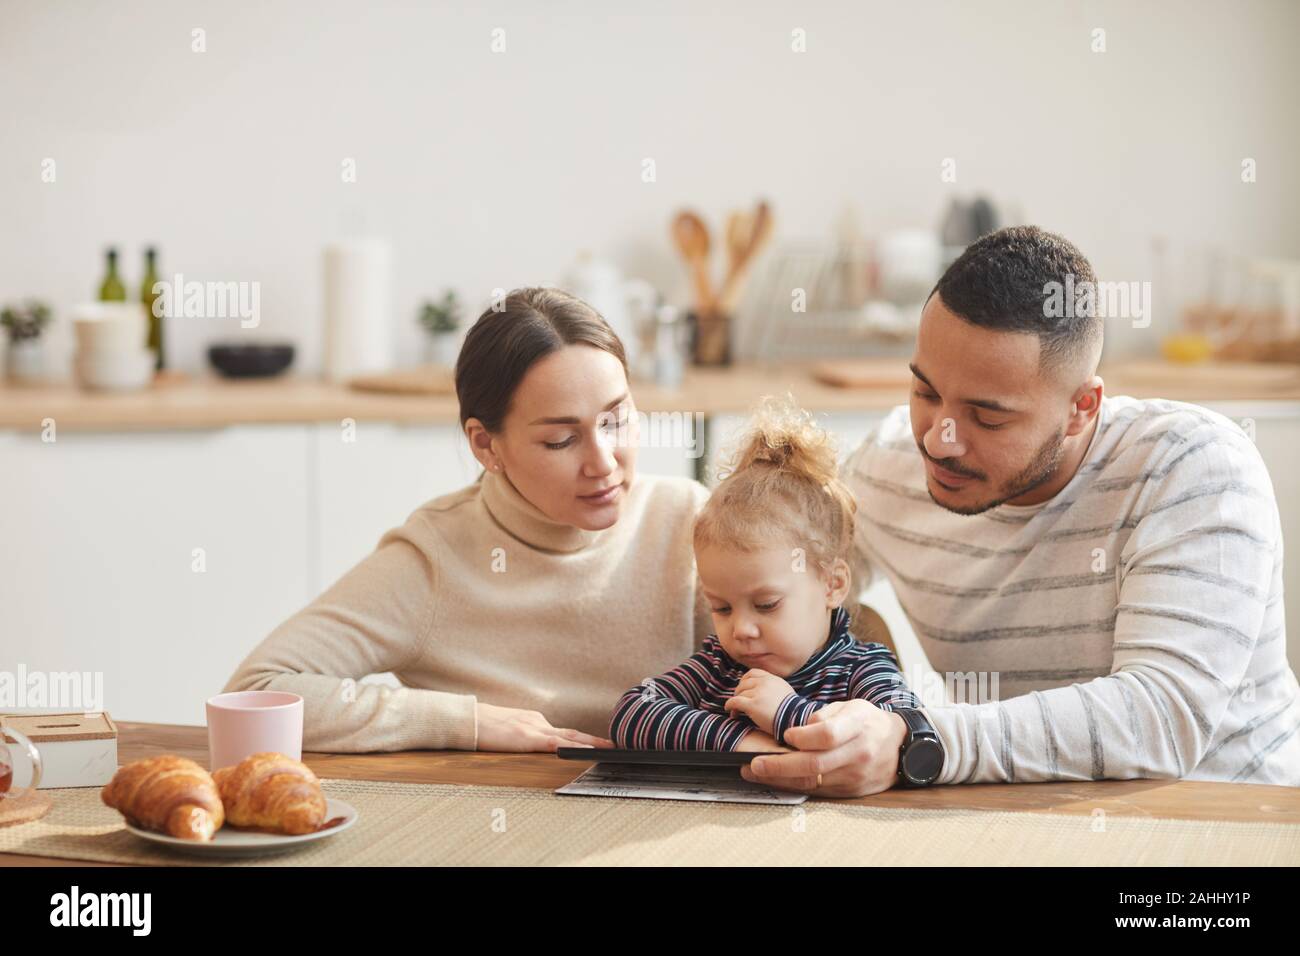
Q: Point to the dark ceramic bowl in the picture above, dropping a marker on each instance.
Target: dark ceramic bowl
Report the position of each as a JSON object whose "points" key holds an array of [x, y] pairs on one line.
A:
{"points": [[250, 361]]}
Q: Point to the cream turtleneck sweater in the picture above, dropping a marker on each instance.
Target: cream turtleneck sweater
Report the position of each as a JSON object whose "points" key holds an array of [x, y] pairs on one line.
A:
{"points": [[480, 596]]}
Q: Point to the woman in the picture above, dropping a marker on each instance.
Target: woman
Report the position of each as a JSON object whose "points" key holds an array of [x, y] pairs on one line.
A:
{"points": [[516, 611]]}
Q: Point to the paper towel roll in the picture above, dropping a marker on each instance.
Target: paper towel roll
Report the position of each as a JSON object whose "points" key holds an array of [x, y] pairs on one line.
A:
{"points": [[358, 308]]}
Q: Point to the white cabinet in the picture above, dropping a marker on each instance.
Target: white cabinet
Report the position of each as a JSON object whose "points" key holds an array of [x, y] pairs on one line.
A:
{"points": [[849, 428], [369, 478], [154, 559], [671, 443]]}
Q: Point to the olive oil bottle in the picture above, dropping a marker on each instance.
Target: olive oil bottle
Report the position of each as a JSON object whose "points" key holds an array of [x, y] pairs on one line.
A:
{"points": [[111, 289], [148, 296]]}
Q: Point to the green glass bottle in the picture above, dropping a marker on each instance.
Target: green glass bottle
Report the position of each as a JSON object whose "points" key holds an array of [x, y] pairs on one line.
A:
{"points": [[111, 289], [148, 296]]}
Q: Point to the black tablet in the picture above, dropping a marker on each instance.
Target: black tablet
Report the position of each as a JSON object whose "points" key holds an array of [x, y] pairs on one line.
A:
{"points": [[676, 758]]}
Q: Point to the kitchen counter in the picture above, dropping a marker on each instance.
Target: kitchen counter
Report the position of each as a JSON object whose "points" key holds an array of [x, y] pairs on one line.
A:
{"points": [[213, 402]]}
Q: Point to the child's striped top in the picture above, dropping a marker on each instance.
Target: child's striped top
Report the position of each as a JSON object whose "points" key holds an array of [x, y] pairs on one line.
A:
{"points": [[684, 709]]}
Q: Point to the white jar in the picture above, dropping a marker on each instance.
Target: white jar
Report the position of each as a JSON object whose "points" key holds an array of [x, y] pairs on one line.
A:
{"points": [[111, 326], [25, 362]]}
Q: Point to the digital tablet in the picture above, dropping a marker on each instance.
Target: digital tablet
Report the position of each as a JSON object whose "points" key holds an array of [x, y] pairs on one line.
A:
{"points": [[691, 758]]}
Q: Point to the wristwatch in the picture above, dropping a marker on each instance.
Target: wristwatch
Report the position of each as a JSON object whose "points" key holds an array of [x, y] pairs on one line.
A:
{"points": [[920, 758]]}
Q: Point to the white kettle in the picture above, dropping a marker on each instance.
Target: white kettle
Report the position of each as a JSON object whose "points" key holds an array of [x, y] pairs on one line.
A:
{"points": [[628, 305]]}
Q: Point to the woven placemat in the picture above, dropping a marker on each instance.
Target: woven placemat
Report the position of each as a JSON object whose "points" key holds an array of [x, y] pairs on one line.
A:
{"points": [[434, 824]]}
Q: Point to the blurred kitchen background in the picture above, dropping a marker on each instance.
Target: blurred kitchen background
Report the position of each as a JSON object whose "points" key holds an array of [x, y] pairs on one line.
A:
{"points": [[756, 194]]}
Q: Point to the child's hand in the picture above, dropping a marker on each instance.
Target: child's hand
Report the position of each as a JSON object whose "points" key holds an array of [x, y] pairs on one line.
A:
{"points": [[758, 742], [757, 696]]}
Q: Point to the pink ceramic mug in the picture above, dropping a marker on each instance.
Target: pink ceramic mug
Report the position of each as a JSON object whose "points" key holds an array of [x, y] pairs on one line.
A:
{"points": [[252, 721]]}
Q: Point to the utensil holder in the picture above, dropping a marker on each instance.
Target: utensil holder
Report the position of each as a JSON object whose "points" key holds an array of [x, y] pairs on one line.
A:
{"points": [[710, 338]]}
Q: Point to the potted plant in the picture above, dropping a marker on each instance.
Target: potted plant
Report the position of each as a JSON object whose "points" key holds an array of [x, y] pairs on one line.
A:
{"points": [[25, 358], [441, 320]]}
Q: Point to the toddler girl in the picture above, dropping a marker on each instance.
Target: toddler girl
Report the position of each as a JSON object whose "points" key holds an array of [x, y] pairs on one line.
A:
{"points": [[771, 547]]}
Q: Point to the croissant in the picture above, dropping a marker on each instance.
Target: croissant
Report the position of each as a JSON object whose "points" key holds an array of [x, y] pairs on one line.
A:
{"points": [[170, 794], [270, 791]]}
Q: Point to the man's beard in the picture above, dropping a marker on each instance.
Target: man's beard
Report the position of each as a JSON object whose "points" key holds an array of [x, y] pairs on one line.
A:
{"points": [[1040, 470]]}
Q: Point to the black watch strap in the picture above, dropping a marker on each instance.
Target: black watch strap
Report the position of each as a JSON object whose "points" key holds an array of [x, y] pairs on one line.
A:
{"points": [[921, 756]]}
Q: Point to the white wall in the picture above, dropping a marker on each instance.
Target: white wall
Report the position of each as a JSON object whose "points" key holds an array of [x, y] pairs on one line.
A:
{"points": [[496, 169]]}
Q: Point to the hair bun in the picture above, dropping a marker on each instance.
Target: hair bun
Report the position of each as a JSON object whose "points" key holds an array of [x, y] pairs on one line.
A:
{"points": [[781, 485], [787, 437]]}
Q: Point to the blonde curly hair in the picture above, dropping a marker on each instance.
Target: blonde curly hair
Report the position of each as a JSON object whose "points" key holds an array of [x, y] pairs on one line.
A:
{"points": [[780, 486]]}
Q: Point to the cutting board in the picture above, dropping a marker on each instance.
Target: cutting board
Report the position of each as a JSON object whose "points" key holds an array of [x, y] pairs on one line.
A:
{"points": [[420, 380], [1211, 378], [888, 373]]}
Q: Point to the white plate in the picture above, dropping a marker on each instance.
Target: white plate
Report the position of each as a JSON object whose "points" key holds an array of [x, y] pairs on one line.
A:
{"points": [[231, 842]]}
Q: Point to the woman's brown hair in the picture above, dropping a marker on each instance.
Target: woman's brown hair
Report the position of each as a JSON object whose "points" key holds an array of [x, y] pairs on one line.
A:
{"points": [[507, 340]]}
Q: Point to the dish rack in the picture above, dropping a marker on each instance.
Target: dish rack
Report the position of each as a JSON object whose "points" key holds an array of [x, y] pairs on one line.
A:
{"points": [[1262, 324], [846, 313], [1245, 308]]}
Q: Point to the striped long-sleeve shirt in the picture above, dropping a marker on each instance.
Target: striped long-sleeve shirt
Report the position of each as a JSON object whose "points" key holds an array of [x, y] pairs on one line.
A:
{"points": [[1133, 622], [685, 709]]}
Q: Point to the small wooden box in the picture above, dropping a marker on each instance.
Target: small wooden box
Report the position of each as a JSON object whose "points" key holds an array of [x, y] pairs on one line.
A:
{"points": [[77, 750]]}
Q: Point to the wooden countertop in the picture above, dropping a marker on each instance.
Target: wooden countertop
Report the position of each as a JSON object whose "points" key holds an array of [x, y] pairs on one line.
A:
{"points": [[213, 402], [1178, 799]]}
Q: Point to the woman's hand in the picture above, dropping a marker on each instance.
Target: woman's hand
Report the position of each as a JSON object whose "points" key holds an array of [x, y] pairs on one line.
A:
{"points": [[510, 730], [757, 696], [853, 744]]}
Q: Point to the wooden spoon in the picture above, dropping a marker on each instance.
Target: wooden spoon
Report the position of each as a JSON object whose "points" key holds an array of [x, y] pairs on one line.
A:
{"points": [[692, 238], [759, 233], [740, 226]]}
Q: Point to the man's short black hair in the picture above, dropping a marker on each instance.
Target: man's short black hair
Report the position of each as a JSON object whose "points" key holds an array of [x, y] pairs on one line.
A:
{"points": [[1005, 281]]}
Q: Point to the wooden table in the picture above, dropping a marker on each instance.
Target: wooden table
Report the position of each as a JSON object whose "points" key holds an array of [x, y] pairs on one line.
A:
{"points": [[1180, 799]]}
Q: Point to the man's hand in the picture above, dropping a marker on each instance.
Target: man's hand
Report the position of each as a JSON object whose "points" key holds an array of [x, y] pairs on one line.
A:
{"points": [[757, 696], [853, 744]]}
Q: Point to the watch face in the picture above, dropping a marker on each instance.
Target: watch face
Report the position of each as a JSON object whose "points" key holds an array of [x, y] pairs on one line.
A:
{"points": [[923, 760]]}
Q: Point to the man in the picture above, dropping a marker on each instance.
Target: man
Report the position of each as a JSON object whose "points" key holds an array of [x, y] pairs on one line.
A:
{"points": [[1116, 564]]}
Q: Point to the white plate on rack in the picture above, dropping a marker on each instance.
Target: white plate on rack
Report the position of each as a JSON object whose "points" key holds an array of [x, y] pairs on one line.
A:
{"points": [[229, 841]]}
